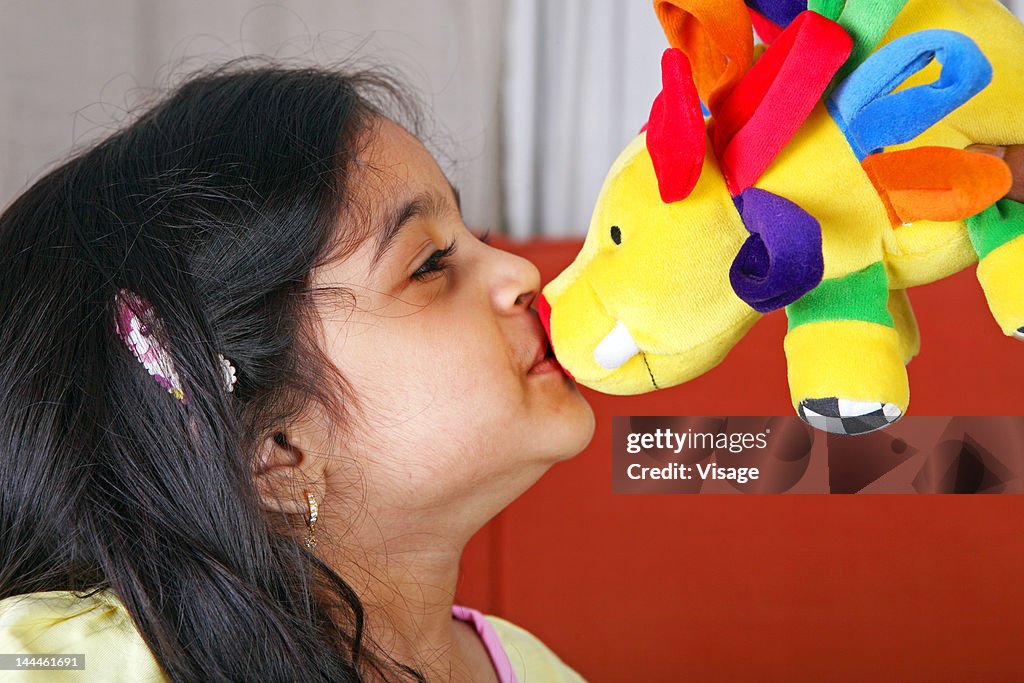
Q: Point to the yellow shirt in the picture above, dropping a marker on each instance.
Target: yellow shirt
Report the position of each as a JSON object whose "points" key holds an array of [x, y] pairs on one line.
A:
{"points": [[60, 623]]}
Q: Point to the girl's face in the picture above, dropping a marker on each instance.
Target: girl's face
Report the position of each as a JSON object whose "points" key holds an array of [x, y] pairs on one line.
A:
{"points": [[438, 344]]}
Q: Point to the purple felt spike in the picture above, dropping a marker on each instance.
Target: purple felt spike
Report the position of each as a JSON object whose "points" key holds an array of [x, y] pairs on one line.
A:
{"points": [[780, 12], [781, 260]]}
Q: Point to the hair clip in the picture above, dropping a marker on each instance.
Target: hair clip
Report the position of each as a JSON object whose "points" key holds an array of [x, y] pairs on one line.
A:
{"points": [[229, 372], [141, 330]]}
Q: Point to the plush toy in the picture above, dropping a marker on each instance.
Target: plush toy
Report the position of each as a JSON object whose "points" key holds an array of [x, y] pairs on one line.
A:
{"points": [[829, 176]]}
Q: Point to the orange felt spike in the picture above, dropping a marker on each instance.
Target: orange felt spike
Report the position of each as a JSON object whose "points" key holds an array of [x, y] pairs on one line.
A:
{"points": [[936, 183], [717, 37]]}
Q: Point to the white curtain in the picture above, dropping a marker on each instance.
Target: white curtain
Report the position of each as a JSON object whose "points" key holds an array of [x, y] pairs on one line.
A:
{"points": [[580, 77], [69, 68]]}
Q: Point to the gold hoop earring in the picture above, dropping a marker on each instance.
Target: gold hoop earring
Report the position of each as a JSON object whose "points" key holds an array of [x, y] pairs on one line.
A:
{"points": [[311, 521]]}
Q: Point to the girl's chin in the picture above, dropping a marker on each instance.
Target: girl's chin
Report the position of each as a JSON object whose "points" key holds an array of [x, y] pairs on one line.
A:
{"points": [[576, 428]]}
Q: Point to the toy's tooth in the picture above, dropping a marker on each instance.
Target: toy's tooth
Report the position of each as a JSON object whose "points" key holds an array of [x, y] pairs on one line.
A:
{"points": [[616, 348]]}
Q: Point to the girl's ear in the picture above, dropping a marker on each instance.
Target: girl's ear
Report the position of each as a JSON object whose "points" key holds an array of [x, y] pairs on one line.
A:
{"points": [[282, 479], [717, 38]]}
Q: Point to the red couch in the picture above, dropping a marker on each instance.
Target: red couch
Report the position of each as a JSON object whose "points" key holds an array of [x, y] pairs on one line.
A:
{"points": [[776, 587]]}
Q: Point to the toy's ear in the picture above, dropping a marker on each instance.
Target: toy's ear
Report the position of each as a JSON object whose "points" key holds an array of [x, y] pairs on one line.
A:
{"points": [[717, 37], [782, 258], [675, 131]]}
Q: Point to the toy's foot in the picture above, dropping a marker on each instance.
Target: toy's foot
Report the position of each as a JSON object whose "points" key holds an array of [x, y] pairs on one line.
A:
{"points": [[999, 275], [846, 376], [841, 416]]}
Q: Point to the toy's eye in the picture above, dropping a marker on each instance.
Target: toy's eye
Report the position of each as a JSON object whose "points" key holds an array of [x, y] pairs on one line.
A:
{"points": [[616, 235]]}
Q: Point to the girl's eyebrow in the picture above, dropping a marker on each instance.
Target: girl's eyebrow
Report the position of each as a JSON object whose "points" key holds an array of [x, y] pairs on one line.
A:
{"points": [[423, 205]]}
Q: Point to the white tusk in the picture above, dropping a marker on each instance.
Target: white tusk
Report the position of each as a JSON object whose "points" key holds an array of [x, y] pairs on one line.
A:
{"points": [[616, 348]]}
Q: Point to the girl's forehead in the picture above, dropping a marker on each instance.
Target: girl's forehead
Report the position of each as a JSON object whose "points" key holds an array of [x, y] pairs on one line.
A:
{"points": [[390, 147], [394, 170], [393, 166]]}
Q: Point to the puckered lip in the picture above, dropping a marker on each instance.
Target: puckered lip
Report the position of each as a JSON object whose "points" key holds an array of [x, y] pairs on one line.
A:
{"points": [[543, 352], [541, 344]]}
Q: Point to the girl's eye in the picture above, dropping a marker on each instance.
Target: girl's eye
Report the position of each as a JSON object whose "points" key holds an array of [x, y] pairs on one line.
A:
{"points": [[486, 237], [435, 264]]}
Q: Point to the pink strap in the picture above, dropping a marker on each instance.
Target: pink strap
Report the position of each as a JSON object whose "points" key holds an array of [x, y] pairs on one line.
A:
{"points": [[491, 641]]}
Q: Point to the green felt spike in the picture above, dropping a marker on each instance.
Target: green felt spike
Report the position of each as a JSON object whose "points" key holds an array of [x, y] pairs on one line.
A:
{"points": [[867, 21], [830, 9], [995, 226]]}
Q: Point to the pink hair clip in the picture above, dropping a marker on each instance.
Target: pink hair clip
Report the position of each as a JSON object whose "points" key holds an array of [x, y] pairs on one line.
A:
{"points": [[140, 329]]}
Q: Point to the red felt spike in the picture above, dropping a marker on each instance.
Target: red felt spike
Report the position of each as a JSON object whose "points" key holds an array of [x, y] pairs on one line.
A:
{"points": [[765, 28], [776, 95], [675, 131]]}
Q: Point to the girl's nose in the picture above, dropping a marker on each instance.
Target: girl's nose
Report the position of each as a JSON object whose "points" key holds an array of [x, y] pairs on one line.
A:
{"points": [[514, 282]]}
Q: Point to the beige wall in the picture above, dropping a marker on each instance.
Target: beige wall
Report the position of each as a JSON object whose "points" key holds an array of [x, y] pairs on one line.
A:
{"points": [[67, 67]]}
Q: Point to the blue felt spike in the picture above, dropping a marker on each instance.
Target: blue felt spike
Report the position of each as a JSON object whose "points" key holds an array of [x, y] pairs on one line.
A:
{"points": [[873, 117]]}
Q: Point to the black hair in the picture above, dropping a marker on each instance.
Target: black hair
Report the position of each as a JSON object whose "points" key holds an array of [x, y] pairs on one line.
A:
{"points": [[215, 205]]}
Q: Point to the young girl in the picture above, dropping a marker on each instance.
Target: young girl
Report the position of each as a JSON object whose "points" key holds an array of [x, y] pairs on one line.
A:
{"points": [[259, 385]]}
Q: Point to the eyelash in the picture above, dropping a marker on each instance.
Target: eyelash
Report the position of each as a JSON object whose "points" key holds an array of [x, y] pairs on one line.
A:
{"points": [[435, 264], [438, 260]]}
